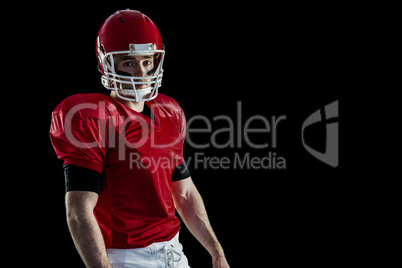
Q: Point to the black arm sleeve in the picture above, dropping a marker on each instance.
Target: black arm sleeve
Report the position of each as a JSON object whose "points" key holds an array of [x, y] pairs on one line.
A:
{"points": [[180, 172], [82, 179]]}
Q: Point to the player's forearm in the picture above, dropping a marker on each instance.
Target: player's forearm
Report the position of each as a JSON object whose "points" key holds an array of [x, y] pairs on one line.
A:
{"points": [[88, 240], [192, 210]]}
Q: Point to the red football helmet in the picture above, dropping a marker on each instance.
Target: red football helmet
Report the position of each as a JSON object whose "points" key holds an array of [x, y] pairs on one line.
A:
{"points": [[130, 33]]}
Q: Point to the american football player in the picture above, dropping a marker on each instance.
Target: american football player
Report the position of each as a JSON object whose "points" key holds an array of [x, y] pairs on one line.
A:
{"points": [[123, 158]]}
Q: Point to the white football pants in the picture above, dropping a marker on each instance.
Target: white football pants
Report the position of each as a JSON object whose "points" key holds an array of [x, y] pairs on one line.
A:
{"points": [[167, 254]]}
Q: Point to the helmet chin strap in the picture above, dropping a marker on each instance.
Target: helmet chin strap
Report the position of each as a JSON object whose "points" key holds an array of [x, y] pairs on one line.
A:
{"points": [[139, 95]]}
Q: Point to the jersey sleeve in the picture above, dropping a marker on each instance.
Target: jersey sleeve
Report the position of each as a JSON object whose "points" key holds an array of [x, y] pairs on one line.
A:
{"points": [[182, 137], [78, 139], [183, 127], [181, 171]]}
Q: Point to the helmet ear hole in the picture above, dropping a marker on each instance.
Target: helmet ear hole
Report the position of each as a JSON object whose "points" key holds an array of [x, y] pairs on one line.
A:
{"points": [[121, 19]]}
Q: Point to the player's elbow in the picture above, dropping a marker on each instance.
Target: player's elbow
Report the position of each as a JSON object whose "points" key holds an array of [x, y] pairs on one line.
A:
{"points": [[77, 217], [79, 208]]}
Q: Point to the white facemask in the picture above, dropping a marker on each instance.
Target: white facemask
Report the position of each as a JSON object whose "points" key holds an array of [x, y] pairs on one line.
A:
{"points": [[124, 84]]}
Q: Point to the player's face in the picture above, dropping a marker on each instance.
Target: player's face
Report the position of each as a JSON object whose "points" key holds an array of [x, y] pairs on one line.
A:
{"points": [[141, 66]]}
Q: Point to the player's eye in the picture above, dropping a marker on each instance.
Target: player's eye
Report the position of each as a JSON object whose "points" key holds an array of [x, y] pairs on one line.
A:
{"points": [[147, 62], [128, 63]]}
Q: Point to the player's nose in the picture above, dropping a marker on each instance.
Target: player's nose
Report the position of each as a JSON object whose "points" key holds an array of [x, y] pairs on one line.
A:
{"points": [[140, 71]]}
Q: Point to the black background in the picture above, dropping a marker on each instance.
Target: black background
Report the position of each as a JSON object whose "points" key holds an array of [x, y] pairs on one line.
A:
{"points": [[277, 60]]}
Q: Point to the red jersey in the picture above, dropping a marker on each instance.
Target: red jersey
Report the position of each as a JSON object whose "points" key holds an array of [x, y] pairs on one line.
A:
{"points": [[136, 156]]}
